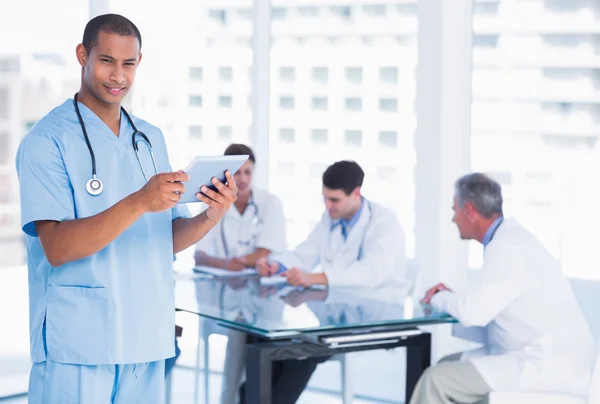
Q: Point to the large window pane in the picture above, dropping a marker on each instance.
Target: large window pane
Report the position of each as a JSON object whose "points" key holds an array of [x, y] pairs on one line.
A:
{"points": [[536, 119], [350, 70]]}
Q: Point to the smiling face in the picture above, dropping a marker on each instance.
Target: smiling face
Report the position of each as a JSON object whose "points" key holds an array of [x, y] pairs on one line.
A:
{"points": [[108, 69]]}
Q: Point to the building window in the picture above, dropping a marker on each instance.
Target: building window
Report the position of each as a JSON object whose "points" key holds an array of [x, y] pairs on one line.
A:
{"points": [[196, 73], [278, 13], [225, 74], [195, 100], [218, 15], [319, 103], [308, 11], [388, 139], [287, 74], [353, 104], [224, 133], [4, 148], [245, 13], [375, 10], [286, 102], [354, 75], [319, 136], [3, 103], [225, 101], [388, 104], [320, 74], [485, 41], [388, 75], [196, 132], [341, 11], [286, 135], [353, 137]]}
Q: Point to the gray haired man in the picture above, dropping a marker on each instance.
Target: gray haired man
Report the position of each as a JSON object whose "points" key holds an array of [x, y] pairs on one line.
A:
{"points": [[519, 306]]}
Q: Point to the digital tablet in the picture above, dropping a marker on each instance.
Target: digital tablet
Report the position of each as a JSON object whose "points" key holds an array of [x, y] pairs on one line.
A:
{"points": [[202, 169]]}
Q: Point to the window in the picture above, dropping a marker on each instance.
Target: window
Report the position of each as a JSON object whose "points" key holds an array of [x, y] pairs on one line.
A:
{"points": [[196, 73], [320, 74], [388, 139], [3, 103], [225, 101], [407, 8], [485, 41], [319, 136], [286, 102], [388, 104], [319, 103], [278, 13], [354, 75], [4, 147], [195, 100], [196, 132], [245, 14], [353, 137], [286, 135], [387, 174], [341, 11], [388, 75], [308, 11], [287, 74], [218, 15], [224, 133], [225, 74], [375, 10], [353, 104]]}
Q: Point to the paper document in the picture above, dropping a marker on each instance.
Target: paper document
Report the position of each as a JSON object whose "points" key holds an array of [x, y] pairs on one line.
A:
{"points": [[224, 272], [273, 280]]}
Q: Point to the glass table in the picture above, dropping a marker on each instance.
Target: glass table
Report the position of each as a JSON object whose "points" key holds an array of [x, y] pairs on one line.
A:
{"points": [[282, 322]]}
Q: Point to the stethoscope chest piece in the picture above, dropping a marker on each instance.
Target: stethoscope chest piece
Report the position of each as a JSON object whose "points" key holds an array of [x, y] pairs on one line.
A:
{"points": [[94, 186]]}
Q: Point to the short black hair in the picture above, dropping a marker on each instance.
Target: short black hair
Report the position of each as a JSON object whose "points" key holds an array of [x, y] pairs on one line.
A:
{"points": [[109, 24], [238, 149], [345, 175]]}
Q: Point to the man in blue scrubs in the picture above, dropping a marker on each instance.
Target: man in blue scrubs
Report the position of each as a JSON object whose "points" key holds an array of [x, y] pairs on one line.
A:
{"points": [[102, 315]]}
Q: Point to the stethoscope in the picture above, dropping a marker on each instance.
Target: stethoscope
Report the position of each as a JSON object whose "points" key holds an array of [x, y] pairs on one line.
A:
{"points": [[255, 222], [94, 185], [364, 235]]}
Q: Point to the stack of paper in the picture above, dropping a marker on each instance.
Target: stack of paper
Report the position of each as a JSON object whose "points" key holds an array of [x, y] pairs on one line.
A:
{"points": [[224, 272]]}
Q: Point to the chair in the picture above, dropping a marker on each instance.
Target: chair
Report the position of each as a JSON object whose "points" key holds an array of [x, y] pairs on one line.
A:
{"points": [[587, 293]]}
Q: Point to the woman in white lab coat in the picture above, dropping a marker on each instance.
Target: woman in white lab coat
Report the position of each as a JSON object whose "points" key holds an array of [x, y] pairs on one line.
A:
{"points": [[520, 306], [252, 228]]}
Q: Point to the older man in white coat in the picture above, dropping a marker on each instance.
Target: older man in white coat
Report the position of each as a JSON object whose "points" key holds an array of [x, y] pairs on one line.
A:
{"points": [[520, 306]]}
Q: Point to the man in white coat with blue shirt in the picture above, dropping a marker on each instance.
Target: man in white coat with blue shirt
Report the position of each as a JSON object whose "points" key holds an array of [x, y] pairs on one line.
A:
{"points": [[357, 243], [520, 307]]}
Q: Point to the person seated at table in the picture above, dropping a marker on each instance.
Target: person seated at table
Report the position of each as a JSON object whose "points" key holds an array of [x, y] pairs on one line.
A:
{"points": [[253, 227], [357, 243], [520, 306]]}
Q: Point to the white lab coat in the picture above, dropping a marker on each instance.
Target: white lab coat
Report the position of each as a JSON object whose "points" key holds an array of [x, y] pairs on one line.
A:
{"points": [[262, 225], [373, 254], [522, 308]]}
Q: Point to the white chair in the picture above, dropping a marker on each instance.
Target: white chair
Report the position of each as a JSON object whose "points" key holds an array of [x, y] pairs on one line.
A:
{"points": [[587, 294]]}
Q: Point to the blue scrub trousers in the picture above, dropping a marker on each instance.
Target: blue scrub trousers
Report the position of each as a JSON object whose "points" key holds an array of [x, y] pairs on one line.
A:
{"points": [[59, 383]]}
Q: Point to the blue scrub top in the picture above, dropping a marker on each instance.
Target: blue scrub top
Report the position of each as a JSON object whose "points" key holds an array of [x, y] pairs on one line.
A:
{"points": [[116, 306]]}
